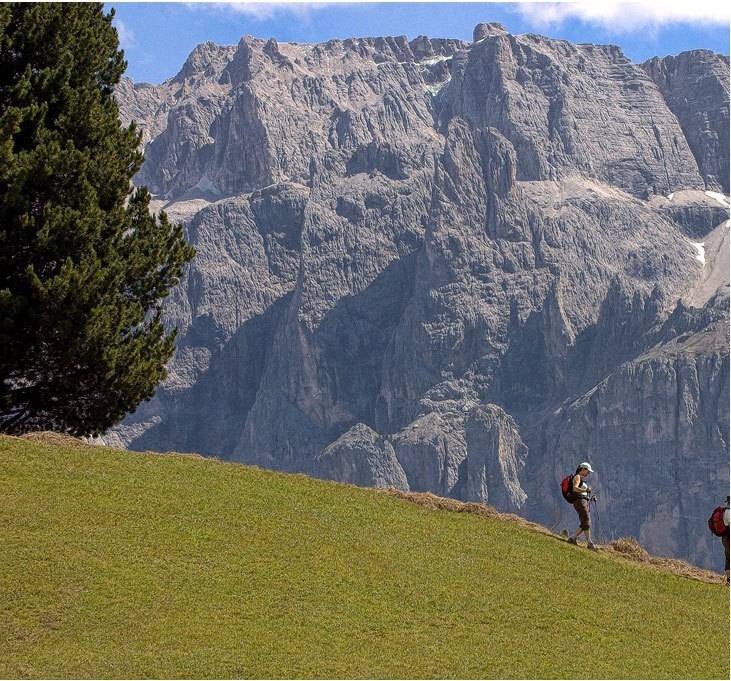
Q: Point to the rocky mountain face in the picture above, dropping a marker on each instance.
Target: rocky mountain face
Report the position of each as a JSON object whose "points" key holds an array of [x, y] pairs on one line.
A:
{"points": [[452, 267], [695, 87]]}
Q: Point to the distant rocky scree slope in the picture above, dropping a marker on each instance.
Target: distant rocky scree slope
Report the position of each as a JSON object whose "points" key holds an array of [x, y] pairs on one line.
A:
{"points": [[454, 267]]}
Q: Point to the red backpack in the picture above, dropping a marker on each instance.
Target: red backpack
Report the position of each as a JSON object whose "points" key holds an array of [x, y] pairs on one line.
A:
{"points": [[567, 488], [715, 522]]}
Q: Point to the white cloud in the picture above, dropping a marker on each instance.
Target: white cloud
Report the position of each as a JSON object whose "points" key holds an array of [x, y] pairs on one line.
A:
{"points": [[622, 17], [126, 34], [261, 11]]}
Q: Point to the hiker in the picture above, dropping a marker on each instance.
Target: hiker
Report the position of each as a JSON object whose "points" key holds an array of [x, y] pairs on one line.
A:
{"points": [[724, 539], [718, 523], [579, 497]]}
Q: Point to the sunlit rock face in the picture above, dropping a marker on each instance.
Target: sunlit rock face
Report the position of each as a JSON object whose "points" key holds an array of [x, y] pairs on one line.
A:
{"points": [[451, 267], [696, 88]]}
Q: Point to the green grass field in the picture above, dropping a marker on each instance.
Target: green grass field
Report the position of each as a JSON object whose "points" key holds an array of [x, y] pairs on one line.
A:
{"points": [[118, 564]]}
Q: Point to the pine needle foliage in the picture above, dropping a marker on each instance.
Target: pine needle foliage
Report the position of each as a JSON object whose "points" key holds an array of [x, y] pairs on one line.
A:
{"points": [[84, 266]]}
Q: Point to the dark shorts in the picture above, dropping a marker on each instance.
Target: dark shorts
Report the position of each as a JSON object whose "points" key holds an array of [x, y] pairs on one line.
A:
{"points": [[582, 508], [724, 541]]}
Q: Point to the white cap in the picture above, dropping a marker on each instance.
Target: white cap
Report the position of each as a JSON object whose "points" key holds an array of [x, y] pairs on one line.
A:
{"points": [[586, 465]]}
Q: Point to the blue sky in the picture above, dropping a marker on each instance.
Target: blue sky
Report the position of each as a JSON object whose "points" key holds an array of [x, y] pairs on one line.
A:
{"points": [[157, 37]]}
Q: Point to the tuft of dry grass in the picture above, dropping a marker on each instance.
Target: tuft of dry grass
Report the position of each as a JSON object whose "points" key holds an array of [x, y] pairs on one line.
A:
{"points": [[683, 569], [49, 437], [631, 548], [437, 503]]}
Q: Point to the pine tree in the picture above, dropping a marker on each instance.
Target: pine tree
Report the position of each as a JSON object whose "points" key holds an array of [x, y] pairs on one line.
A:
{"points": [[84, 266]]}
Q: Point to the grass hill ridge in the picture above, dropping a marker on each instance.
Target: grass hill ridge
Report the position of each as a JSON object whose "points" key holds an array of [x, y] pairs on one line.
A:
{"points": [[120, 564]]}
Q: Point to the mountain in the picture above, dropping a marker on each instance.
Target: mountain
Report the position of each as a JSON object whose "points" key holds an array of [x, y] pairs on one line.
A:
{"points": [[150, 566], [452, 267]]}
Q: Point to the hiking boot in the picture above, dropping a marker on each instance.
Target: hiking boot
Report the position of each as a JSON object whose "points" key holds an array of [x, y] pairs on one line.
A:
{"points": [[592, 546], [572, 540]]}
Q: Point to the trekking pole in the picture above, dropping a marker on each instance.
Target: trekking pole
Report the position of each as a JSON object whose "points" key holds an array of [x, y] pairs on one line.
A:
{"points": [[557, 519], [596, 516]]}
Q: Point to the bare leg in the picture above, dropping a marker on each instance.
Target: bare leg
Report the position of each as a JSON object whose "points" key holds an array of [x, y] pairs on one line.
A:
{"points": [[587, 534]]}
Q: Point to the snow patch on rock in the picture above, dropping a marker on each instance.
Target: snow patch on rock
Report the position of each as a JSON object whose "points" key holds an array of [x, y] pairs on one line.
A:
{"points": [[435, 60], [719, 197], [700, 248]]}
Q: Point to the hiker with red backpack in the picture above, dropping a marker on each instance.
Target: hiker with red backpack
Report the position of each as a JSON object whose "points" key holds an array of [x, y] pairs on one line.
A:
{"points": [[577, 493], [718, 524]]}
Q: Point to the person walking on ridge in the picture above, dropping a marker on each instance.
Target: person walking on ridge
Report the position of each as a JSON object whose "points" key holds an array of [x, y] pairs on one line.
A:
{"points": [[580, 492], [718, 524], [725, 538]]}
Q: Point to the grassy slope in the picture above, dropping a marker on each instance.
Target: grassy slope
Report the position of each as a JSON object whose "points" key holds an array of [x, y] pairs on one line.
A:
{"points": [[131, 565]]}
